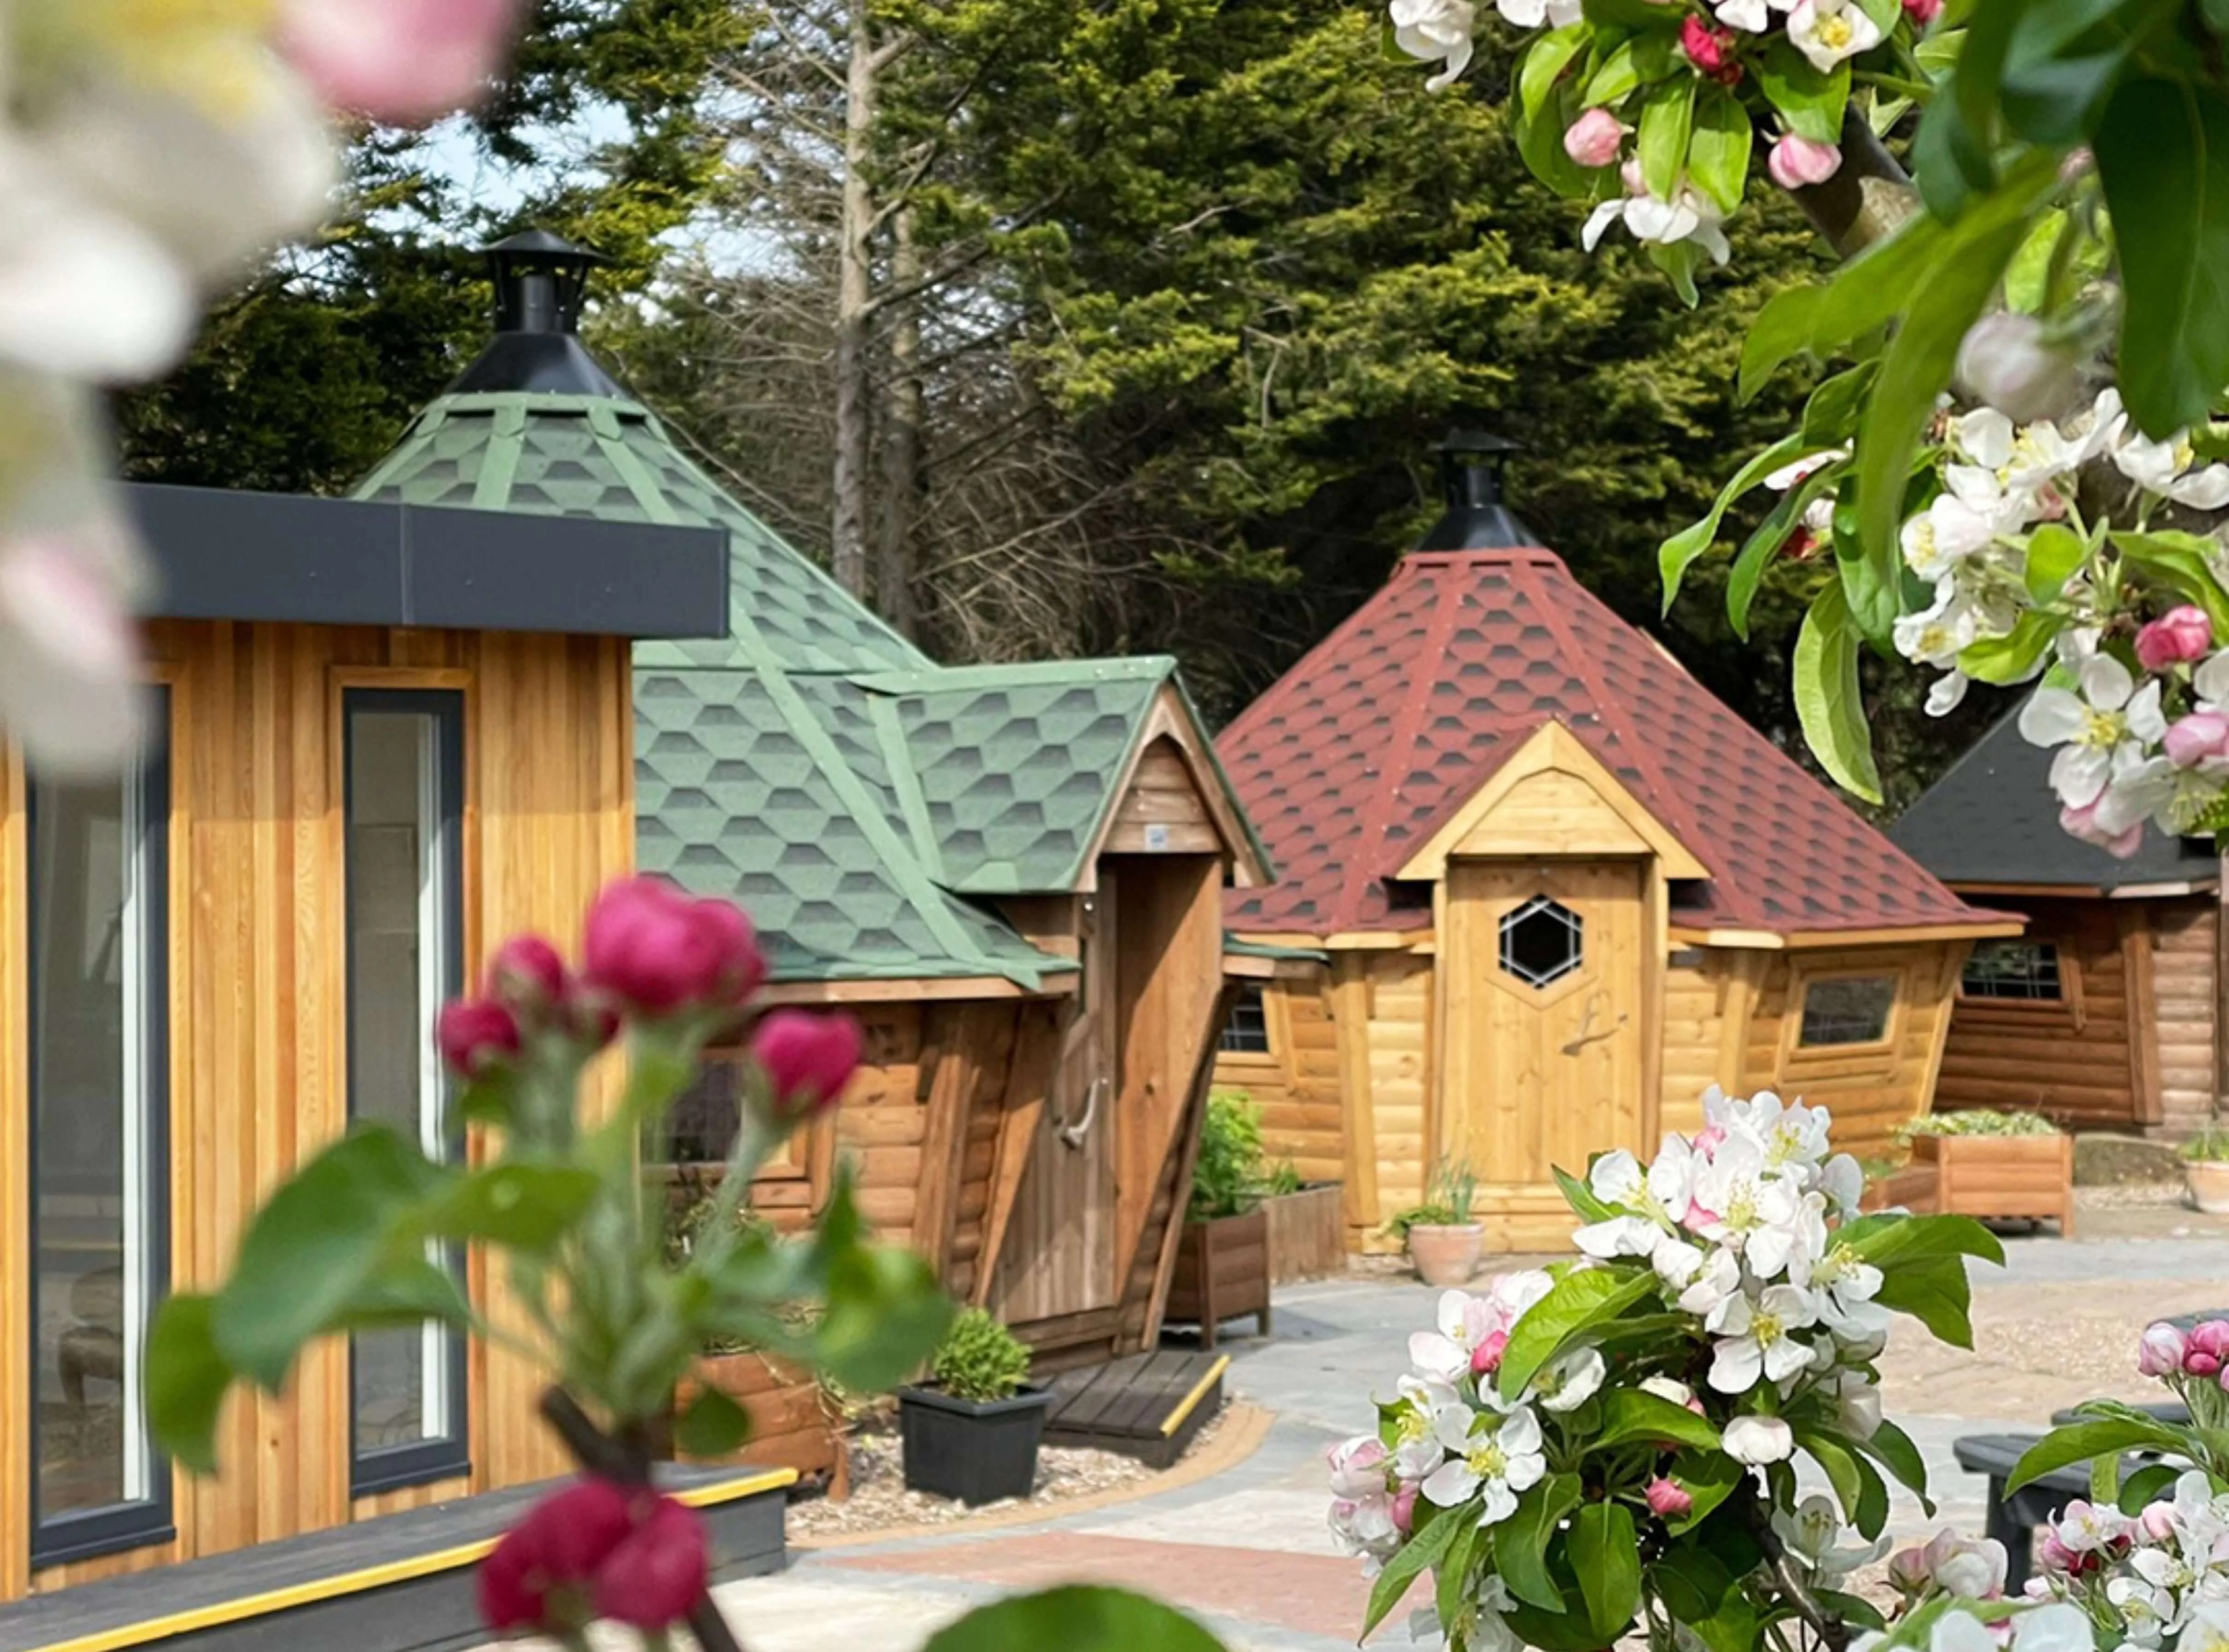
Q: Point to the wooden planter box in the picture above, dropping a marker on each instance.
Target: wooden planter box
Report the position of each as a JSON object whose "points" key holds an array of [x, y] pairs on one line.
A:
{"points": [[793, 1423], [1912, 1188], [1222, 1272], [2001, 1175], [1308, 1233]]}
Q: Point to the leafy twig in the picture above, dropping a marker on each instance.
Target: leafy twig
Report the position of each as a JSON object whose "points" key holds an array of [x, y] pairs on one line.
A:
{"points": [[1833, 1634]]}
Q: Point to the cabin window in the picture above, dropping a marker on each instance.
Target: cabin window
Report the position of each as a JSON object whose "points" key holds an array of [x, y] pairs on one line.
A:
{"points": [[1247, 1032], [1849, 1009], [98, 937], [1542, 942], [2021, 971], [404, 857]]}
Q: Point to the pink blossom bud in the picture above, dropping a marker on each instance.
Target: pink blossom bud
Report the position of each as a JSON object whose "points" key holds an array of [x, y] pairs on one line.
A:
{"points": [[2160, 1352], [1594, 139], [654, 948], [2055, 1556], [2083, 823], [528, 975], [2192, 739], [2156, 1521], [1668, 1498], [1907, 1572], [808, 1059], [1798, 162], [2178, 636], [1709, 1139], [2208, 1348], [1404, 1510], [535, 1577], [1922, 13], [2011, 362], [1629, 175], [657, 1571], [1710, 48], [400, 61], [1357, 1467], [475, 1036], [1486, 1358]]}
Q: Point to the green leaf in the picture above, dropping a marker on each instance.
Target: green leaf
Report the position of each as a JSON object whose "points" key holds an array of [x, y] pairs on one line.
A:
{"points": [[1539, 121], [2054, 551], [1733, 1628], [2014, 657], [1851, 1609], [1678, 553], [2162, 152], [2080, 1442], [1892, 1448], [1707, 1477], [1636, 1414], [1839, 1463], [1666, 119], [1691, 1580], [1431, 1542], [713, 1426], [1621, 73], [1520, 1543], [319, 1239], [1578, 1301], [1886, 1240], [1080, 1618], [1810, 103], [1454, 1586], [2063, 59], [1717, 153], [520, 1205], [1828, 704], [2180, 561], [1934, 1291], [1872, 1515], [1581, 1198], [1761, 547], [1865, 295], [1606, 1557], [1784, 330], [1544, 63], [1830, 415], [884, 1318], [2105, 1479], [406, 1291], [1884, 13], [2148, 1484], [187, 1380]]}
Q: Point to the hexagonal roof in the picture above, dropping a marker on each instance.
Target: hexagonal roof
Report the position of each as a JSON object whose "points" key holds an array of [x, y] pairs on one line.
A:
{"points": [[1354, 758]]}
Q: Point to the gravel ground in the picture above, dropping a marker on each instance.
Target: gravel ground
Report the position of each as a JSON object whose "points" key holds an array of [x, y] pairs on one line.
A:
{"points": [[879, 1498], [2134, 1195]]}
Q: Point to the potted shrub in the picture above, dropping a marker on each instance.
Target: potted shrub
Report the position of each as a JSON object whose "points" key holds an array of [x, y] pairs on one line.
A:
{"points": [[1991, 1164], [1223, 1255], [1443, 1242], [971, 1432], [2206, 1168]]}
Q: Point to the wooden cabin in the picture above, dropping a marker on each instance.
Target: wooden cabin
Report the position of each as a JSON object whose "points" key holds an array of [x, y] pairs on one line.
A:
{"points": [[1012, 874], [1561, 890], [385, 738], [2104, 1013]]}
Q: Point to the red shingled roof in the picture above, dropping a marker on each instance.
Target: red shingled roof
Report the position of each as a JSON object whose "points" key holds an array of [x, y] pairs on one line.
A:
{"points": [[1351, 760]]}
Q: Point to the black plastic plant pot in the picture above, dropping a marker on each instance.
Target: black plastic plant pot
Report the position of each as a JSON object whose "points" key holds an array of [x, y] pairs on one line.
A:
{"points": [[976, 1452]]}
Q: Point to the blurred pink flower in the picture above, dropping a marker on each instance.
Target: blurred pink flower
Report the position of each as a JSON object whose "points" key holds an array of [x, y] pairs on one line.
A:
{"points": [[403, 61], [1796, 161], [2180, 635]]}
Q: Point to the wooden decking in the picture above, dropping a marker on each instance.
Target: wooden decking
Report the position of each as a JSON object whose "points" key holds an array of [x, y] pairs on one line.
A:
{"points": [[1146, 1405], [400, 1582]]}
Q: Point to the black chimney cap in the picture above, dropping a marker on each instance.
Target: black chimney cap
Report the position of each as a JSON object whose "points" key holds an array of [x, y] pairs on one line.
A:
{"points": [[541, 283], [1474, 475]]}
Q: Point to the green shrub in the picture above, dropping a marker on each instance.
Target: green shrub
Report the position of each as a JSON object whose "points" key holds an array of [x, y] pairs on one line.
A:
{"points": [[1980, 1120], [980, 1359], [1226, 1177], [1285, 1179], [2210, 1146], [1453, 1195]]}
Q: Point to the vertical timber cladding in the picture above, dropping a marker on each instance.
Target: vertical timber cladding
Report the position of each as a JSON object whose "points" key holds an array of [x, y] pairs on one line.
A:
{"points": [[257, 1015]]}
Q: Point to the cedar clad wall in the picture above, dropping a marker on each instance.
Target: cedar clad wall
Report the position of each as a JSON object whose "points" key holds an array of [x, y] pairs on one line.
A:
{"points": [[1296, 1084], [256, 1007], [2184, 955]]}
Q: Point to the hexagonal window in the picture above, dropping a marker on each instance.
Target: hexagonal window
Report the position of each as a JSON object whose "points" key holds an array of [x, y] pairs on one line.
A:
{"points": [[1542, 942]]}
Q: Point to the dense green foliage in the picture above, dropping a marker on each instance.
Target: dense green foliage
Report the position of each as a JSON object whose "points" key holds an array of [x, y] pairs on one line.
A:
{"points": [[980, 1359], [1978, 1121], [1227, 1177]]}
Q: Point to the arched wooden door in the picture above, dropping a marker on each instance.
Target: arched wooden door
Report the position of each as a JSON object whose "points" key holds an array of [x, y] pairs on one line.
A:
{"points": [[1543, 992]]}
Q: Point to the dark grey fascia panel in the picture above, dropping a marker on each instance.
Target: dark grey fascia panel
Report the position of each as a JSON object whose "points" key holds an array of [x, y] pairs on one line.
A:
{"points": [[285, 557]]}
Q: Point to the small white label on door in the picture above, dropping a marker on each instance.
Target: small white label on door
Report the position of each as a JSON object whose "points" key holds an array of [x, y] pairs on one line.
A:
{"points": [[1157, 839]]}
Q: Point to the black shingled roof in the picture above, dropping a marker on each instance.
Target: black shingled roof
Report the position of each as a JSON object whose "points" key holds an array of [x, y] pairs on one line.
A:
{"points": [[1993, 820]]}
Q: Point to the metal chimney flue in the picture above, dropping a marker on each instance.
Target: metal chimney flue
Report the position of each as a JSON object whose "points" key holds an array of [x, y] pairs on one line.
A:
{"points": [[541, 285], [1474, 476]]}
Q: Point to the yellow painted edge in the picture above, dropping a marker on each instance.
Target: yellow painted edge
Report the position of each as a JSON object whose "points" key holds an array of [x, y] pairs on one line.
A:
{"points": [[1175, 1420], [368, 1578]]}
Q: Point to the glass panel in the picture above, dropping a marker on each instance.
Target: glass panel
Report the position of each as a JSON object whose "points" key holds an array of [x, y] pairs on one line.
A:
{"points": [[1248, 1032], [95, 911], [701, 1127], [2023, 970], [1542, 942], [1847, 1012], [401, 934]]}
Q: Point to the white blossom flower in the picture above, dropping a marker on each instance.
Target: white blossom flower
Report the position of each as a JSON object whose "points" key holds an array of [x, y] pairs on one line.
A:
{"points": [[1532, 14], [1752, 1209], [1717, 1283], [1669, 1388], [1566, 1383], [1758, 1340], [1811, 1530], [1437, 30], [1843, 1289], [1810, 465], [1938, 633], [1831, 31], [2164, 466], [1464, 1321], [1947, 692], [1757, 1440], [1842, 1180], [1857, 1405], [2089, 727], [1494, 1458], [1687, 216], [2145, 1608], [1950, 530], [1788, 1133]]}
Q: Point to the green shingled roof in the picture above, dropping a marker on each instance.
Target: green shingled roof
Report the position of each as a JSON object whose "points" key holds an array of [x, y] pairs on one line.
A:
{"points": [[813, 765]]}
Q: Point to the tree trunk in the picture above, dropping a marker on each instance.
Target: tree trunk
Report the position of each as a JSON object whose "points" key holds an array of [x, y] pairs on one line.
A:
{"points": [[1867, 199], [902, 414], [854, 430]]}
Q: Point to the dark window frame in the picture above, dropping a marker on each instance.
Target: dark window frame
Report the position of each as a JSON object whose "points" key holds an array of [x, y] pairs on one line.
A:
{"points": [[86, 1533], [2057, 997], [1252, 993], [1881, 1038], [392, 1467]]}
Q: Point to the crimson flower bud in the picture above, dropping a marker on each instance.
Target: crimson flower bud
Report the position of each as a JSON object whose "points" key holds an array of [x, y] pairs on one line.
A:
{"points": [[657, 951], [808, 1059], [657, 1571], [475, 1036], [528, 975]]}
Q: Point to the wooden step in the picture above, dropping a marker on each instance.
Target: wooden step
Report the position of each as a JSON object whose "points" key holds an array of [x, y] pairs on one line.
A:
{"points": [[1144, 1405]]}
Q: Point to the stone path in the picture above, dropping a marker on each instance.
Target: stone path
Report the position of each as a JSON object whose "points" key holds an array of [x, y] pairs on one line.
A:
{"points": [[1246, 1551]]}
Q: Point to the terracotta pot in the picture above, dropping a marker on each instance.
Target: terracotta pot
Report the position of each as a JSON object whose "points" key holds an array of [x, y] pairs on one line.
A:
{"points": [[1446, 1256], [2209, 1185]]}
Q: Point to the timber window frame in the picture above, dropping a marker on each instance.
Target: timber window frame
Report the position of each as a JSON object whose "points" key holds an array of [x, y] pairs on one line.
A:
{"points": [[1257, 1042], [143, 1516], [2063, 977], [1802, 1047], [442, 1451]]}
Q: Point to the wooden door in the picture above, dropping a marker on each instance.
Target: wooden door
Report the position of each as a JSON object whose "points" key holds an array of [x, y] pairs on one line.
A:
{"points": [[1058, 1257], [1543, 998]]}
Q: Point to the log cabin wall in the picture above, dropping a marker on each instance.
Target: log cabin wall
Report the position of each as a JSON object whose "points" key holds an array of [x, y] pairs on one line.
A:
{"points": [[1294, 1083], [2185, 960], [256, 1017]]}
